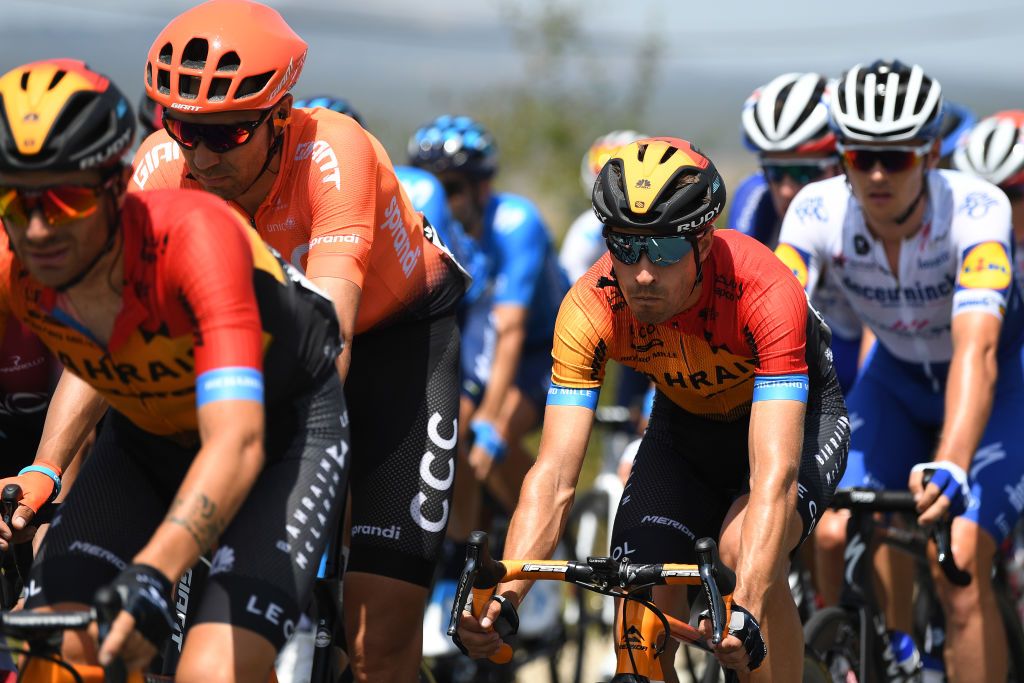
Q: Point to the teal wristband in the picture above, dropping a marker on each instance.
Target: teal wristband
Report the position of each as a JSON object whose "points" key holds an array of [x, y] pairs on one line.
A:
{"points": [[42, 469]]}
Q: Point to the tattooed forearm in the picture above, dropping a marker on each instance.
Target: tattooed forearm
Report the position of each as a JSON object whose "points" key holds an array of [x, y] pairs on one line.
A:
{"points": [[199, 517]]}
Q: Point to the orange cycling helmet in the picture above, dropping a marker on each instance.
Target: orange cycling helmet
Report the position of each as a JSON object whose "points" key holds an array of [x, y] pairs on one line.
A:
{"points": [[224, 55]]}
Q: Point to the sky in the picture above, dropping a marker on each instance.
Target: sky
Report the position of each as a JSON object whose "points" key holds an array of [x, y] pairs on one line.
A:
{"points": [[401, 62]]}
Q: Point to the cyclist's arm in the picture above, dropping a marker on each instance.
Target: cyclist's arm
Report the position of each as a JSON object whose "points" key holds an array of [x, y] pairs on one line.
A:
{"points": [[214, 488], [510, 330], [549, 489], [776, 438], [345, 294], [970, 389]]}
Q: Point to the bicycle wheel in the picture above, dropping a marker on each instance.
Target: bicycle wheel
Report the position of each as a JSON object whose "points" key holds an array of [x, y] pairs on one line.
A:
{"points": [[832, 638]]}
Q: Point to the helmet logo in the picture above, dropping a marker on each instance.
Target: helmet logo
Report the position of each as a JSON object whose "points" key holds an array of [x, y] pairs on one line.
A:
{"points": [[643, 184], [639, 204], [185, 107], [880, 88], [696, 223]]}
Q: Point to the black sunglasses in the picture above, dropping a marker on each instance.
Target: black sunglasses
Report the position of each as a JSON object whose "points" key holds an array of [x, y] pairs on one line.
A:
{"points": [[802, 172], [218, 137]]}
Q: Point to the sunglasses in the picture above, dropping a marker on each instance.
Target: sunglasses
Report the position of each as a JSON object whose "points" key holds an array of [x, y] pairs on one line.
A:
{"points": [[59, 204], [892, 159], [802, 172], [662, 251], [453, 188], [218, 137]]}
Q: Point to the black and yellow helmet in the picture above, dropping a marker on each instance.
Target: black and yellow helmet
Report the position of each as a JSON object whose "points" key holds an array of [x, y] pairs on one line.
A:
{"points": [[660, 184], [58, 115]]}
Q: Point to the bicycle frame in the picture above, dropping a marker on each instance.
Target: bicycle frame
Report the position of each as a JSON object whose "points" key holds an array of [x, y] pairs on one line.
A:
{"points": [[876, 660], [644, 627]]}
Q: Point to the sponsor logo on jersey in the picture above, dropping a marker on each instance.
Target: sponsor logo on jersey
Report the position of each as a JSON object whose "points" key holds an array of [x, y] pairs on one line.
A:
{"points": [[165, 151], [408, 257], [861, 244], [811, 208], [986, 266], [794, 259], [892, 296], [977, 204], [321, 152], [933, 262]]}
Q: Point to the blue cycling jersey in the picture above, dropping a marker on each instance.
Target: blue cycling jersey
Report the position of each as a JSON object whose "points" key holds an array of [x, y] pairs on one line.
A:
{"points": [[427, 196], [523, 264], [753, 212]]}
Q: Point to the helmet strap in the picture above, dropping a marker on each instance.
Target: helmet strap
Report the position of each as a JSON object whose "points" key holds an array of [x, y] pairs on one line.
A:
{"points": [[902, 218], [272, 151]]}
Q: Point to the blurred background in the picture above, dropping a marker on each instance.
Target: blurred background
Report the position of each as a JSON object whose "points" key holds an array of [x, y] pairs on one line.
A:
{"points": [[548, 76]]}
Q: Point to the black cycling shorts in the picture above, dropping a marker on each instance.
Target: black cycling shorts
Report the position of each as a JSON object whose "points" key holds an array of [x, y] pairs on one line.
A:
{"points": [[265, 563], [689, 470], [403, 397]]}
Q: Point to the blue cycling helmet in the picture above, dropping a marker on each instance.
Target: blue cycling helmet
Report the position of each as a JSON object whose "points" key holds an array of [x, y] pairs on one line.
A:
{"points": [[957, 121], [454, 143], [337, 104], [886, 101]]}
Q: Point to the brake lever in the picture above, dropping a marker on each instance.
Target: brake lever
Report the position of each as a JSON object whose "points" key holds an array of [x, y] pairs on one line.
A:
{"points": [[942, 534], [717, 580]]}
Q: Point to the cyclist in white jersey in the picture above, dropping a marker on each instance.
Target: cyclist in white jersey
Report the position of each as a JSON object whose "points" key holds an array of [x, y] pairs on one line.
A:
{"points": [[994, 150], [923, 258]]}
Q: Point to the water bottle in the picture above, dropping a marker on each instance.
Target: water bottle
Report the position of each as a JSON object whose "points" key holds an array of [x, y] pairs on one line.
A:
{"points": [[905, 655]]}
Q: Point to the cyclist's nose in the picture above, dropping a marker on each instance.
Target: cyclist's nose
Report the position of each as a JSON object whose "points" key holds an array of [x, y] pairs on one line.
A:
{"points": [[202, 158], [645, 274]]}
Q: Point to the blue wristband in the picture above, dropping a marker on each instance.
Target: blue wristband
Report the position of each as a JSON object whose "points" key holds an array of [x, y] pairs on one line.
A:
{"points": [[487, 437], [48, 472]]}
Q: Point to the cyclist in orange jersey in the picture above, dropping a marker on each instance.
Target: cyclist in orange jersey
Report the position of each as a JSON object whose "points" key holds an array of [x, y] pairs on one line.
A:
{"points": [[179, 324], [321, 190], [748, 433]]}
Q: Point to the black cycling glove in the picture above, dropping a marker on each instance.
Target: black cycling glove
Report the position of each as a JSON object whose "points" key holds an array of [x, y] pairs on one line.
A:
{"points": [[507, 623], [744, 626], [145, 594]]}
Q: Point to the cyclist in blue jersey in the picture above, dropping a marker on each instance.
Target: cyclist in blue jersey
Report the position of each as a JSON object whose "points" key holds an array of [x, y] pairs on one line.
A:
{"points": [[923, 256], [528, 286], [786, 123], [957, 123]]}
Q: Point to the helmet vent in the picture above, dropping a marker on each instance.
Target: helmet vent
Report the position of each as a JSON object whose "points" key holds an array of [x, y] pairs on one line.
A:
{"points": [[57, 78], [641, 151], [163, 81], [194, 54], [166, 53], [218, 89], [24, 80], [188, 86], [74, 107], [667, 155], [252, 85], [230, 62]]}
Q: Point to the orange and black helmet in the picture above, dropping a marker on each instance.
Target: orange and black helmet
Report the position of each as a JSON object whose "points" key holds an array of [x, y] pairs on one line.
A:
{"points": [[58, 115], [661, 184], [224, 55]]}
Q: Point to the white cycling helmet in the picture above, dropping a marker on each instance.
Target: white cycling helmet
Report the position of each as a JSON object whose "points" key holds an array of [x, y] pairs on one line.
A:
{"points": [[994, 149], [599, 152], [789, 114], [886, 101]]}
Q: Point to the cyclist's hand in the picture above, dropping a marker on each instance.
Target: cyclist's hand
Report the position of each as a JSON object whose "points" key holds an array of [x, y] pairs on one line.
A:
{"points": [[488, 448], [481, 462], [743, 648], [36, 491], [476, 640], [947, 493], [146, 620]]}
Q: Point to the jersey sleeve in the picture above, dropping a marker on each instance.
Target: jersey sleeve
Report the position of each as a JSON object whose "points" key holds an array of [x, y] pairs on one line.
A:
{"points": [[158, 164], [982, 232], [582, 246], [210, 270], [583, 329], [775, 322], [799, 247], [344, 204], [522, 242]]}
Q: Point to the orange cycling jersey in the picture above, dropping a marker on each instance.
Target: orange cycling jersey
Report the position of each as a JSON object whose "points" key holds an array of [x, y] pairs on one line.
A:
{"points": [[745, 339], [208, 313], [337, 210]]}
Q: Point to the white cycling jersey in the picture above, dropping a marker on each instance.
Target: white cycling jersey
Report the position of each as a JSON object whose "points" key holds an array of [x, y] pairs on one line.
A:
{"points": [[957, 262], [582, 246]]}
